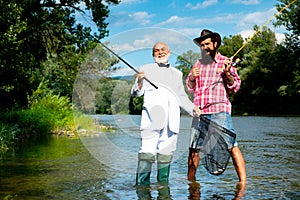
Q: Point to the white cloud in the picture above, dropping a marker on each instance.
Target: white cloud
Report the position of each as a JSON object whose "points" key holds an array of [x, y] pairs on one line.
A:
{"points": [[249, 33], [137, 18], [165, 35], [204, 4], [224, 19], [245, 2], [192, 23], [258, 18], [122, 47], [172, 5], [142, 18], [147, 41], [174, 20], [190, 32], [279, 37], [132, 1], [246, 33], [145, 38], [238, 21]]}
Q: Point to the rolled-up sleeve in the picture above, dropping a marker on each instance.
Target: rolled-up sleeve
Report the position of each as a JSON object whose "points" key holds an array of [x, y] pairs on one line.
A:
{"points": [[237, 81], [190, 90]]}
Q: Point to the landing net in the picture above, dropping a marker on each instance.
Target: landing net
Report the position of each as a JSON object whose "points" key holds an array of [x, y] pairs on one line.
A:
{"points": [[215, 143]]}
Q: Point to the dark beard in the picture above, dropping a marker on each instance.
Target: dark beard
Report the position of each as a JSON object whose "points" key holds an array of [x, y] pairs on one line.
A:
{"points": [[210, 58]]}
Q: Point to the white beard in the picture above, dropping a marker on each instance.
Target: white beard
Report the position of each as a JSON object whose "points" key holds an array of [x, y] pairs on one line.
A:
{"points": [[163, 59]]}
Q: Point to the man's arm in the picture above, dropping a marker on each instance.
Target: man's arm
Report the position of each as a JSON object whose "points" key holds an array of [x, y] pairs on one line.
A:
{"points": [[191, 78], [137, 89], [232, 79]]}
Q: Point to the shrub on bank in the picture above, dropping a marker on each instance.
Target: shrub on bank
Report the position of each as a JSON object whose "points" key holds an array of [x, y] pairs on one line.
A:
{"points": [[7, 136], [47, 113], [53, 106]]}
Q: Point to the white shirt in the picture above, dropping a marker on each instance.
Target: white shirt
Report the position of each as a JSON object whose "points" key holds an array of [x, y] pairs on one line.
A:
{"points": [[169, 96]]}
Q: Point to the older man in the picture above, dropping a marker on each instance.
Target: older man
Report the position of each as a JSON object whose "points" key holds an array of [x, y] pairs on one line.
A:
{"points": [[160, 115]]}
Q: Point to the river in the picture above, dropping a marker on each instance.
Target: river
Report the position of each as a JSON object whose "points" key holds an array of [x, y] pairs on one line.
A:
{"points": [[103, 166]]}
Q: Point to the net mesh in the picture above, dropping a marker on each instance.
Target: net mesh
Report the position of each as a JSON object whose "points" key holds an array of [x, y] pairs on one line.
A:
{"points": [[215, 142]]}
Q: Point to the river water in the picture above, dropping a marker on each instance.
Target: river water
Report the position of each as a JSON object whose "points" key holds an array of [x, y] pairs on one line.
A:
{"points": [[103, 166]]}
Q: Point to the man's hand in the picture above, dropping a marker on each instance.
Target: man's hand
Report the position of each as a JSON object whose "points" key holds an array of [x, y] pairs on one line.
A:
{"points": [[141, 75], [140, 78], [196, 111], [195, 73], [227, 64], [192, 78]]}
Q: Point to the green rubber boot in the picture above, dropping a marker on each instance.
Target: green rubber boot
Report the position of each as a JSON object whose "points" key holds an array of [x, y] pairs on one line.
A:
{"points": [[163, 167], [144, 168]]}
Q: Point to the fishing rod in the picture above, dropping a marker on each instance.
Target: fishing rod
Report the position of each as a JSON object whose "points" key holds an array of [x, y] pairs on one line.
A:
{"points": [[124, 61], [265, 24]]}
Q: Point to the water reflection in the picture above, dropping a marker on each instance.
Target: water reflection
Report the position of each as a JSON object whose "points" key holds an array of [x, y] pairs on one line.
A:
{"points": [[145, 192], [194, 190], [240, 191], [162, 191]]}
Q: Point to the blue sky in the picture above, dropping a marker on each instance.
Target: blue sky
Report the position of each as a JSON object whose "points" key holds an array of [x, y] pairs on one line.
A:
{"points": [[135, 25], [228, 17]]}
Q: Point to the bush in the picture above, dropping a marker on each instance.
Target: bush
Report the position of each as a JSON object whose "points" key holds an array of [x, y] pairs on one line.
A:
{"points": [[46, 113], [53, 107], [7, 136]]}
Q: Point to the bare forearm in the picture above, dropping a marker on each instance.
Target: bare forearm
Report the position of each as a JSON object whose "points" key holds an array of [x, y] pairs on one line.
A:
{"points": [[230, 78], [192, 81]]}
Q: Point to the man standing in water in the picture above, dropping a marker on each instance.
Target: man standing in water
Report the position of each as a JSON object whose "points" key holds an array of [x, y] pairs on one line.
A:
{"points": [[160, 115], [210, 79]]}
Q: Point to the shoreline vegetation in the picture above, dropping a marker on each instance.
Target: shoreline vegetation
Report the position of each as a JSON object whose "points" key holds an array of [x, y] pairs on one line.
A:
{"points": [[47, 114]]}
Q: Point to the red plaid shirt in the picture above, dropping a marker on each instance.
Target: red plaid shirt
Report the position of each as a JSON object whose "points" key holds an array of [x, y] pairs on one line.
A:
{"points": [[210, 91]]}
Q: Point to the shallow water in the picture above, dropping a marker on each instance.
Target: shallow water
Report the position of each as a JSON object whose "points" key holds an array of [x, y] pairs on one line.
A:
{"points": [[103, 166]]}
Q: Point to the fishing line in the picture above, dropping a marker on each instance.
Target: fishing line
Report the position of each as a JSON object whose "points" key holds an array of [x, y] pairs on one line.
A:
{"points": [[265, 24]]}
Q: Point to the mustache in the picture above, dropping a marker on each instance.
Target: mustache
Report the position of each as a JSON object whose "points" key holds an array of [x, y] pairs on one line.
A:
{"points": [[208, 51], [211, 52], [161, 55]]}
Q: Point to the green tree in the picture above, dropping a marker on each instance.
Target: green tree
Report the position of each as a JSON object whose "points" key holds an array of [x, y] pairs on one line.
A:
{"points": [[185, 61], [103, 96], [230, 45], [290, 19], [15, 61], [88, 88], [121, 97], [33, 31], [113, 96], [257, 89]]}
